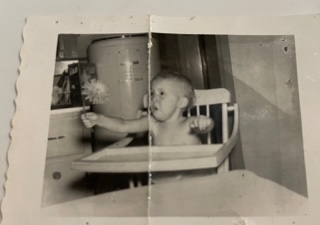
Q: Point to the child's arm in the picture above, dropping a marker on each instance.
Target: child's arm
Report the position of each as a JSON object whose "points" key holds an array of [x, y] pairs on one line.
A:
{"points": [[115, 124], [201, 124]]}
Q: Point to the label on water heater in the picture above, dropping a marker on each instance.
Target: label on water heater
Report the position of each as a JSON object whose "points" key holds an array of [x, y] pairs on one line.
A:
{"points": [[132, 65]]}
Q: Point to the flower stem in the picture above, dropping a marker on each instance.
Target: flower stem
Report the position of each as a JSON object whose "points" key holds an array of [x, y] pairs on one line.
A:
{"points": [[84, 111]]}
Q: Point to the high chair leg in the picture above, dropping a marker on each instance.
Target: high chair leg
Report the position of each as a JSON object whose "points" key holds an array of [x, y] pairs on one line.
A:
{"points": [[224, 167], [139, 182], [131, 183]]}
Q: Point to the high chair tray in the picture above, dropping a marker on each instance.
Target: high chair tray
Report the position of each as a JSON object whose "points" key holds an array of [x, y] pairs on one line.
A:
{"points": [[155, 158]]}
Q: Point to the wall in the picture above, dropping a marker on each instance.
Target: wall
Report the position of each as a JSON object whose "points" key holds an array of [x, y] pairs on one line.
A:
{"points": [[181, 53], [266, 89]]}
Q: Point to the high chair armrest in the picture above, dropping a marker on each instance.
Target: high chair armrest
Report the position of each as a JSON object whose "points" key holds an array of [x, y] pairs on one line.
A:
{"points": [[227, 147]]}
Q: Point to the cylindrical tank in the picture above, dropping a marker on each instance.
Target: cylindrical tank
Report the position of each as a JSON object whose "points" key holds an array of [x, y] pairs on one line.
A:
{"points": [[122, 65]]}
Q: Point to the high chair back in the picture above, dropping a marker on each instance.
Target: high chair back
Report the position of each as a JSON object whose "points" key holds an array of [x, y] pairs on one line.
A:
{"points": [[207, 99], [120, 159]]}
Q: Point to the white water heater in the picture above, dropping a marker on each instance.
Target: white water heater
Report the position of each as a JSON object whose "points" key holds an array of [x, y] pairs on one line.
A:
{"points": [[122, 65]]}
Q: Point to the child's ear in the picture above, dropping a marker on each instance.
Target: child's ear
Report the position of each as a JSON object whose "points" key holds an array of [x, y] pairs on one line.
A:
{"points": [[145, 101], [183, 102]]}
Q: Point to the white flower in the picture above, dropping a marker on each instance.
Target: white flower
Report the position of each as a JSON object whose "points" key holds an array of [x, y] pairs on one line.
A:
{"points": [[96, 91]]}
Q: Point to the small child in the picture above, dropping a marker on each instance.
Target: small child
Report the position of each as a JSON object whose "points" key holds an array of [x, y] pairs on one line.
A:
{"points": [[171, 95]]}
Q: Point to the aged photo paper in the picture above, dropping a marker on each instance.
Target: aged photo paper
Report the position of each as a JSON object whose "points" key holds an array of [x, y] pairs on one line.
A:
{"points": [[175, 120]]}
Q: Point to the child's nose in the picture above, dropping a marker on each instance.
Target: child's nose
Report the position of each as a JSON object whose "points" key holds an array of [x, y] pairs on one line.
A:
{"points": [[155, 98]]}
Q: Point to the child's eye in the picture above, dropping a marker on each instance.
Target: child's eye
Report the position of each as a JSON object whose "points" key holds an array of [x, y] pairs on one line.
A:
{"points": [[161, 93]]}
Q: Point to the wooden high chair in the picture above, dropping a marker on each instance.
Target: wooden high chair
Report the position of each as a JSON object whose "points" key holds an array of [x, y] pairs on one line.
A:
{"points": [[117, 158]]}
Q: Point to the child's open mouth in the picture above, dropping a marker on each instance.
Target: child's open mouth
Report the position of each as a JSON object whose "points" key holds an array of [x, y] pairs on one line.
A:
{"points": [[154, 108]]}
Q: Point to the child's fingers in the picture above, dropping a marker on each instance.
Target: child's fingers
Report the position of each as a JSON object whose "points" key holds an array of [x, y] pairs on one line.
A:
{"points": [[202, 124], [91, 115], [84, 119], [88, 124], [141, 113], [194, 123], [87, 120]]}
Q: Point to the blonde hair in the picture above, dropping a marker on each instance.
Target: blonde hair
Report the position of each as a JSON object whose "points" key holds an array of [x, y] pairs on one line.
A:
{"points": [[188, 89]]}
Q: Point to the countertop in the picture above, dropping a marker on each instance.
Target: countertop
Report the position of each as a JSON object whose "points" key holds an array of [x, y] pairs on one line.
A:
{"points": [[235, 193]]}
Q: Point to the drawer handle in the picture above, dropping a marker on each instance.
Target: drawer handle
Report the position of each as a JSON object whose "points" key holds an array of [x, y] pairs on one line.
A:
{"points": [[56, 138], [56, 175]]}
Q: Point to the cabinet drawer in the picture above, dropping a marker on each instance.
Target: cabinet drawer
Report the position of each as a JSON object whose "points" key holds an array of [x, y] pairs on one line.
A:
{"points": [[67, 135], [62, 184]]}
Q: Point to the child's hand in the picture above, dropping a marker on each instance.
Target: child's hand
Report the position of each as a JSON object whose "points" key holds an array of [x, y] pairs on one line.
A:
{"points": [[202, 124], [90, 119], [141, 113]]}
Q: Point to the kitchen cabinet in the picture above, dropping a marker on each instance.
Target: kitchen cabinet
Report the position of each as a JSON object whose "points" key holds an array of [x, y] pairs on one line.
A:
{"points": [[68, 140]]}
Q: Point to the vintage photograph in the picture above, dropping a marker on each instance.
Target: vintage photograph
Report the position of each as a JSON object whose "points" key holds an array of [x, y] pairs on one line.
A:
{"points": [[144, 124], [165, 120]]}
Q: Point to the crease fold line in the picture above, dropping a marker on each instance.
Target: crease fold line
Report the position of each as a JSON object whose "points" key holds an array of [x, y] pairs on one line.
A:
{"points": [[150, 138]]}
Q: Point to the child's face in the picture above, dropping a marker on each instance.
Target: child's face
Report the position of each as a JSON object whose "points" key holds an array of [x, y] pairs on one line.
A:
{"points": [[165, 97]]}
